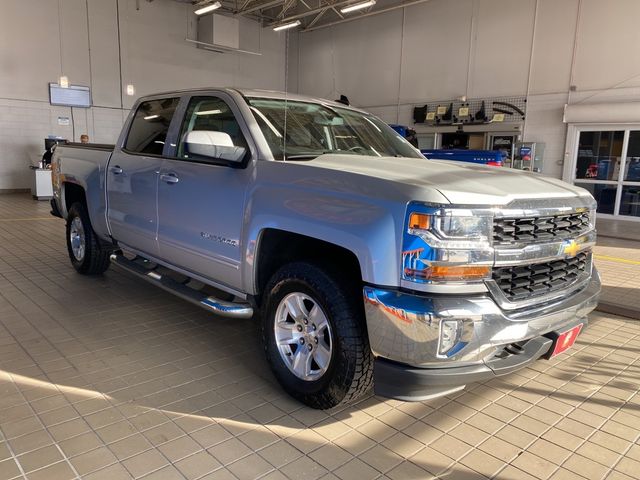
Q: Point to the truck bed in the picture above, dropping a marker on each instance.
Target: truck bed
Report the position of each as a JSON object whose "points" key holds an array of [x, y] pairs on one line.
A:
{"points": [[85, 165]]}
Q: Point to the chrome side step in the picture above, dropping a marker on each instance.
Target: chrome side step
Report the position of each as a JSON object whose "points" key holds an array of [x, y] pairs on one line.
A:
{"points": [[208, 302]]}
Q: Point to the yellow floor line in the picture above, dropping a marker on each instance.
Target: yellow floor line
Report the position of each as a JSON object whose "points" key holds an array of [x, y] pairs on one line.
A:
{"points": [[32, 219], [616, 259]]}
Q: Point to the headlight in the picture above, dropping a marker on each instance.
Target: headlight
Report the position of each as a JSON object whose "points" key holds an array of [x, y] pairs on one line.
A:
{"points": [[446, 245], [451, 225], [464, 227]]}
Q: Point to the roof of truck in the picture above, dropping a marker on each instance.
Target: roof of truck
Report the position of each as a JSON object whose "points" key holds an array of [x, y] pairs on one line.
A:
{"points": [[247, 92]]}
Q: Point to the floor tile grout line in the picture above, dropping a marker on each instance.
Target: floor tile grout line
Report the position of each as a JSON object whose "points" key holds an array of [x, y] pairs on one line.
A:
{"points": [[574, 408], [12, 452], [52, 438], [504, 394], [631, 443]]}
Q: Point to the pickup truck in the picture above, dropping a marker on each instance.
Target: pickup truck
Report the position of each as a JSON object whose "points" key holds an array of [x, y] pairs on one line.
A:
{"points": [[363, 262]]}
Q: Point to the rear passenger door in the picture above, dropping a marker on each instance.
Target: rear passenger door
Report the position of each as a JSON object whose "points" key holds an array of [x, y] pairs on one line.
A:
{"points": [[201, 200], [132, 176]]}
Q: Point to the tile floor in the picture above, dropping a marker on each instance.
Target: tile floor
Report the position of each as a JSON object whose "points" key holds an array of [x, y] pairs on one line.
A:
{"points": [[618, 262], [111, 378]]}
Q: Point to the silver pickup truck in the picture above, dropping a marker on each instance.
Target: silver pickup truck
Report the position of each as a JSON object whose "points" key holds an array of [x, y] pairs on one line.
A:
{"points": [[364, 262]]}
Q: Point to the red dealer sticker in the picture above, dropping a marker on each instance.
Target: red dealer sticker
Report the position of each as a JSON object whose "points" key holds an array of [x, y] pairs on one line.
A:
{"points": [[566, 340]]}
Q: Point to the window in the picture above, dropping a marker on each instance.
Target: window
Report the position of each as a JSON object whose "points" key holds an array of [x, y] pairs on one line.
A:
{"points": [[150, 125], [210, 114], [599, 155], [607, 163]]}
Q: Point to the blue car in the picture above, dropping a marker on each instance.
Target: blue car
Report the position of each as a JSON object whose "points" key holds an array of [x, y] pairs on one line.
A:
{"points": [[481, 157]]}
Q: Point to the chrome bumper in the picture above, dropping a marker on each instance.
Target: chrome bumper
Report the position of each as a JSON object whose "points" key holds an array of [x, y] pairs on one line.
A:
{"points": [[405, 328]]}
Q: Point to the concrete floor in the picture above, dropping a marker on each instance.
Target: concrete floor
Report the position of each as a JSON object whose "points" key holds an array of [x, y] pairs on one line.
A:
{"points": [[112, 378]]}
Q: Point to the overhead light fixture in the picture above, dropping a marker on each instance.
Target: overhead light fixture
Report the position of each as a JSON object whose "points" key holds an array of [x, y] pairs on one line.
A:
{"points": [[64, 81], [208, 8], [151, 117], [287, 26], [131, 90], [358, 6]]}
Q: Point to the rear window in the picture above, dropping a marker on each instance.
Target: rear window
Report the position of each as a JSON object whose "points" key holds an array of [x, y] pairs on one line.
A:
{"points": [[150, 125]]}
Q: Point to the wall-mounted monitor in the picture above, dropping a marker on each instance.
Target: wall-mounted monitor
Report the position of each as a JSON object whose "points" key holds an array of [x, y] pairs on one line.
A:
{"points": [[71, 96]]}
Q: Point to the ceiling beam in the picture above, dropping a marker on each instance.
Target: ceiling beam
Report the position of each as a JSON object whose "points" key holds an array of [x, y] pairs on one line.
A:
{"points": [[287, 5], [313, 11], [260, 6], [369, 14], [315, 20]]}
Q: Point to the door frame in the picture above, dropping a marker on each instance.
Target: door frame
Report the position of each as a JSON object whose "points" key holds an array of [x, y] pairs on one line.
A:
{"points": [[571, 159], [489, 136]]}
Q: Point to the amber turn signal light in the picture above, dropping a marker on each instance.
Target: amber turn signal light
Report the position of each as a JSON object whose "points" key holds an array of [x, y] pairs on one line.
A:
{"points": [[419, 221], [463, 272]]}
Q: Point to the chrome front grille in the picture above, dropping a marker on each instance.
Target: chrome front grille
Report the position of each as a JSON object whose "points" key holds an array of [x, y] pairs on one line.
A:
{"points": [[539, 229], [522, 282]]}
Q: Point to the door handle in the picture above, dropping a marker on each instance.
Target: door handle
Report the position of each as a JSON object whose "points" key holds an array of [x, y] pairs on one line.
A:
{"points": [[116, 170], [169, 178]]}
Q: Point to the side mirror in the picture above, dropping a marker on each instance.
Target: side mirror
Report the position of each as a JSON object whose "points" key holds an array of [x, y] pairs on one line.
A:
{"points": [[213, 145]]}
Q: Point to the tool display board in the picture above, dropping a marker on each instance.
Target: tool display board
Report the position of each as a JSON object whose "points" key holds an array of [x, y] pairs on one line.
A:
{"points": [[472, 112]]}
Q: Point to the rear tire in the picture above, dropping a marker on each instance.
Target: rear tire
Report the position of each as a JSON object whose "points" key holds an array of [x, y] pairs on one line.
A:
{"points": [[88, 256], [315, 336]]}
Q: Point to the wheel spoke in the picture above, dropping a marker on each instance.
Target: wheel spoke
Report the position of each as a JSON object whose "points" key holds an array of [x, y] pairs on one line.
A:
{"points": [[322, 355], [286, 340], [286, 334], [317, 317], [302, 362], [296, 308]]}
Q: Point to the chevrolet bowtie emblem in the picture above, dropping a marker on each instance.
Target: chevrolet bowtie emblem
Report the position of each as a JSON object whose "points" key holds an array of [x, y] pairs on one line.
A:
{"points": [[571, 248]]}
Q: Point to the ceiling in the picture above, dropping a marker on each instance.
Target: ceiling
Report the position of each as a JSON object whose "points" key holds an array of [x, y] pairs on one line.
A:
{"points": [[313, 14]]}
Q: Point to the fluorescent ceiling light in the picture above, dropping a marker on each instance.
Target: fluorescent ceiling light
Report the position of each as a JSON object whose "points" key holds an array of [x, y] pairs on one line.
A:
{"points": [[358, 6], [208, 8], [286, 26], [151, 117], [209, 112]]}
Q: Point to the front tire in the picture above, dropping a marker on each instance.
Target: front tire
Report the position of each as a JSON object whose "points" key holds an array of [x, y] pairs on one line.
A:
{"points": [[315, 337], [86, 253]]}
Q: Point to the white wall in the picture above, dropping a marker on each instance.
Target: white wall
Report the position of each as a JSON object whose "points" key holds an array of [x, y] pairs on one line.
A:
{"points": [[34, 51], [442, 49]]}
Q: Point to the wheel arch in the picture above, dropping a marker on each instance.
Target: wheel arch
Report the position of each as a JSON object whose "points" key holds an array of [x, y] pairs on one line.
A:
{"points": [[72, 193], [276, 248]]}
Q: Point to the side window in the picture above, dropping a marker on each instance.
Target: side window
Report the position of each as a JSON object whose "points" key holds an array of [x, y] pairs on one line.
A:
{"points": [[210, 114], [150, 125]]}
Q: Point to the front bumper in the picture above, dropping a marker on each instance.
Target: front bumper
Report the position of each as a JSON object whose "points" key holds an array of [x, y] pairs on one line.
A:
{"points": [[404, 330]]}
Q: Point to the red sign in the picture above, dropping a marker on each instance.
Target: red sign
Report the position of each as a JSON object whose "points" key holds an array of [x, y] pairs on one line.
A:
{"points": [[566, 340]]}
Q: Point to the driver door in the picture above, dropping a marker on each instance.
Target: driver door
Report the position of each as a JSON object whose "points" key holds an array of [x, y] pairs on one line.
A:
{"points": [[201, 199]]}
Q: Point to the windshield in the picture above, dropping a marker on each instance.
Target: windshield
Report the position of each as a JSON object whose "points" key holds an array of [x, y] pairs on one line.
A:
{"points": [[314, 129]]}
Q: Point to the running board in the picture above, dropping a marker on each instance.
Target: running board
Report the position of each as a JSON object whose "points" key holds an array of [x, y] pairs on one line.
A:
{"points": [[208, 302]]}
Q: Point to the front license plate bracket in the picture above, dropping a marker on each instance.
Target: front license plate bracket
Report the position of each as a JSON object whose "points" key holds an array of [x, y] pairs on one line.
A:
{"points": [[563, 341]]}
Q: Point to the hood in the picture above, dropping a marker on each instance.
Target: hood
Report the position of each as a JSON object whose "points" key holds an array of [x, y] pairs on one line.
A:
{"points": [[461, 183]]}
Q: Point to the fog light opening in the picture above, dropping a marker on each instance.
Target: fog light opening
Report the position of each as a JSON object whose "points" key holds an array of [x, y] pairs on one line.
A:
{"points": [[450, 332]]}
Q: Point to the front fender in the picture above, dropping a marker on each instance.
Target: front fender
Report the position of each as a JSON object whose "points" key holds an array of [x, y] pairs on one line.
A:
{"points": [[367, 228]]}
